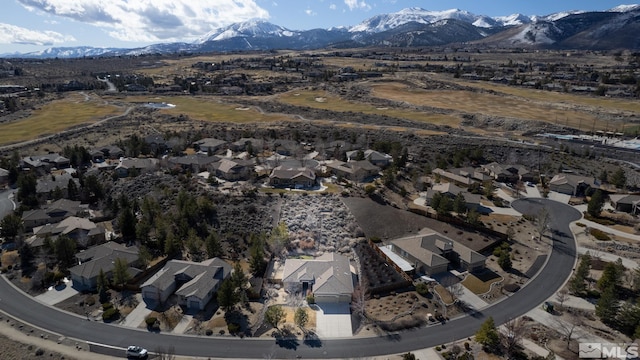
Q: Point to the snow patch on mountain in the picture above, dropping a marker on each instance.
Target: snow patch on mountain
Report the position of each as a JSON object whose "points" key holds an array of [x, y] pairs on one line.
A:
{"points": [[625, 8], [513, 20], [535, 34], [252, 28]]}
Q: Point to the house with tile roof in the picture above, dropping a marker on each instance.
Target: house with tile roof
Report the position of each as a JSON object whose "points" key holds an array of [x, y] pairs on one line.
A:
{"points": [[432, 253], [328, 278], [571, 184], [355, 170], [53, 213], [84, 231], [625, 202], [193, 283], [298, 178], [84, 276]]}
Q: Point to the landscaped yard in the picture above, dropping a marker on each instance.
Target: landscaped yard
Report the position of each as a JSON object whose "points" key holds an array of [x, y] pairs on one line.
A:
{"points": [[481, 284]]}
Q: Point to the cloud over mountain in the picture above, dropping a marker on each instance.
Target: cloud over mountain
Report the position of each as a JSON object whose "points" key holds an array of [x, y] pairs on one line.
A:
{"points": [[11, 34], [152, 20]]}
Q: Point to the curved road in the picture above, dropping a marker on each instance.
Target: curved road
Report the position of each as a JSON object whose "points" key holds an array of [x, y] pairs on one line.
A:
{"points": [[558, 268]]}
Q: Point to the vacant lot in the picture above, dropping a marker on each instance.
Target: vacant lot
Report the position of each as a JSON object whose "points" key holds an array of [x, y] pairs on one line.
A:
{"points": [[326, 101], [492, 105]]}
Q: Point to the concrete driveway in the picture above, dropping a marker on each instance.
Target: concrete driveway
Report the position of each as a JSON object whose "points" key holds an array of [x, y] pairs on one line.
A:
{"points": [[333, 320], [57, 294]]}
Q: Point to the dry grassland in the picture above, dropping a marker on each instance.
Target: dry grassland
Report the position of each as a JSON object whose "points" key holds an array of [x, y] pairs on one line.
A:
{"points": [[605, 103], [210, 109], [324, 100], [56, 116], [490, 105]]}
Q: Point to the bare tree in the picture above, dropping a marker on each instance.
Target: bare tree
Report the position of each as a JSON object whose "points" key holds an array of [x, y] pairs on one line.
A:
{"points": [[511, 335], [568, 326], [562, 296], [359, 298], [456, 290], [542, 222]]}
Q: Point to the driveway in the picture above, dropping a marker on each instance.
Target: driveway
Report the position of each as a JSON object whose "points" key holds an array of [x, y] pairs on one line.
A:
{"points": [[57, 294], [137, 315], [333, 320]]}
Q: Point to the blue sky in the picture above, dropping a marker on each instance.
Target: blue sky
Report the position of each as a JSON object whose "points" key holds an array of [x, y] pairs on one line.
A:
{"points": [[29, 25]]}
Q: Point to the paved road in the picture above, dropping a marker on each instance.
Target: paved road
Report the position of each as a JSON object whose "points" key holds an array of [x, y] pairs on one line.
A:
{"points": [[6, 203], [550, 278]]}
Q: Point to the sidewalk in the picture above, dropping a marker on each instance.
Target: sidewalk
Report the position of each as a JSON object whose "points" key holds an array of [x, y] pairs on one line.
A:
{"points": [[137, 316], [628, 263], [554, 321], [609, 230]]}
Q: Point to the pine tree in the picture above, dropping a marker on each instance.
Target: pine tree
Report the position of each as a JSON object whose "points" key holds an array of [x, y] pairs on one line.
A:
{"points": [[212, 243], [121, 272], [102, 286], [607, 306], [488, 336], [459, 204], [227, 297], [594, 207]]}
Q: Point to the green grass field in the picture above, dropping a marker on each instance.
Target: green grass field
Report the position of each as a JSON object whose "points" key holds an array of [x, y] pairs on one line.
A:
{"points": [[208, 109], [56, 116]]}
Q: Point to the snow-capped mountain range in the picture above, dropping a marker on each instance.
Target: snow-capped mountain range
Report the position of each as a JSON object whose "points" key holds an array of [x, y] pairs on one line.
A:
{"points": [[407, 27]]}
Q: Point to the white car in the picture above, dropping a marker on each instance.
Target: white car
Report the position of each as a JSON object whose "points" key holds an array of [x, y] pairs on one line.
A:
{"points": [[136, 352]]}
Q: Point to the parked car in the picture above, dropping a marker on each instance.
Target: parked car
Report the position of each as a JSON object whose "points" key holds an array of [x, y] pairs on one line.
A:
{"points": [[137, 352]]}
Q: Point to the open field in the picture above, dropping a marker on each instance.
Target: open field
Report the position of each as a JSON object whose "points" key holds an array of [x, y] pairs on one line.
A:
{"points": [[209, 109], [56, 116], [606, 103], [324, 100], [489, 104]]}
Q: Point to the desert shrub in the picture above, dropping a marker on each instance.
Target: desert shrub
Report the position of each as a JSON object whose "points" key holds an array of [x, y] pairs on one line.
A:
{"points": [[581, 224], [438, 348], [90, 300], [311, 299], [233, 328], [375, 240], [369, 189], [110, 314], [467, 346], [209, 332], [150, 321], [422, 289], [599, 234], [107, 305]]}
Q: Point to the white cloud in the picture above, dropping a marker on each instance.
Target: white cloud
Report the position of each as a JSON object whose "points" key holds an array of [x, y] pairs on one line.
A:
{"points": [[152, 20], [357, 4], [310, 12], [332, 6], [11, 34]]}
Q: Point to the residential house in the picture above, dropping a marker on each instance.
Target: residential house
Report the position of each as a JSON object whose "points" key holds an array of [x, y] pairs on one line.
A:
{"points": [[193, 283], [574, 185], [466, 176], [375, 157], [106, 152], [42, 164], [233, 170], [358, 171], [508, 173], [131, 166], [194, 163], [327, 277], [244, 143], [209, 145], [53, 213], [450, 190], [625, 202], [84, 231], [432, 253], [285, 147], [298, 178], [84, 276], [51, 185]]}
